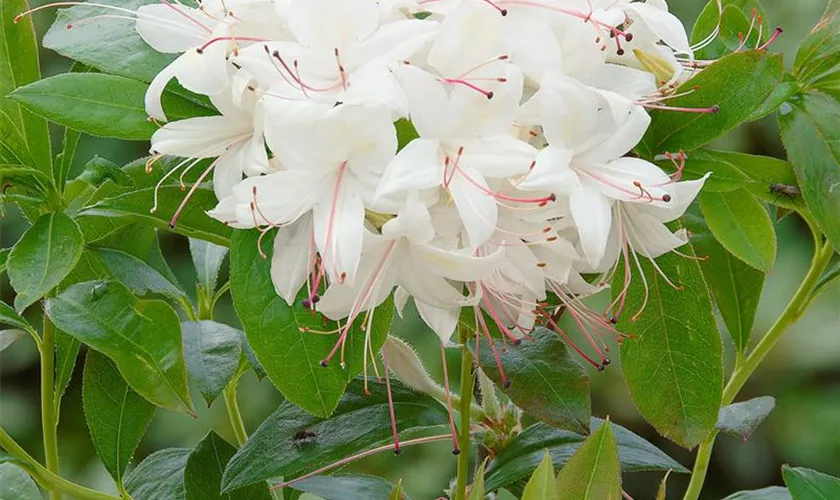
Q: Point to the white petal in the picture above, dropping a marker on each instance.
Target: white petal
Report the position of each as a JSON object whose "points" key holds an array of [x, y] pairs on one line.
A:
{"points": [[468, 36], [592, 214], [428, 101], [173, 28], [552, 173], [396, 41], [442, 321], [569, 111], [330, 24], [413, 222], [650, 237], [418, 166], [228, 170], [344, 219], [290, 258], [682, 195], [458, 265], [201, 137], [662, 23], [498, 156], [478, 210]]}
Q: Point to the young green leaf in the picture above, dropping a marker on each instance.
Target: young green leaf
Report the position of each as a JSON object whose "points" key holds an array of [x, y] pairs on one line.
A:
{"points": [[830, 276], [24, 138], [807, 484], [673, 359], [100, 105], [291, 440], [277, 332], [812, 139], [735, 286], [742, 225], [594, 472], [207, 258], [15, 484], [738, 83], [735, 18], [545, 380], [160, 475], [143, 337], [66, 351], [212, 353], [203, 473], [346, 487], [542, 485], [817, 64], [8, 337], [525, 451], [8, 316], [771, 493], [117, 417], [44, 255], [742, 419], [477, 491]]}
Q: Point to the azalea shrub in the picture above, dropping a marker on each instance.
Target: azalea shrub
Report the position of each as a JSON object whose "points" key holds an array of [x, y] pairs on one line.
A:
{"points": [[532, 177]]}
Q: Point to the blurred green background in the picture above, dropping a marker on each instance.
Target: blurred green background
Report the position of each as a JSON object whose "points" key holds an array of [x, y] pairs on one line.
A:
{"points": [[803, 372]]}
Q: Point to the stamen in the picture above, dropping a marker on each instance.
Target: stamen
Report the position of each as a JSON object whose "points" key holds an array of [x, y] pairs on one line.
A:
{"points": [[233, 39], [773, 38], [712, 110], [204, 174], [480, 320], [394, 432], [502, 11], [457, 81], [455, 449]]}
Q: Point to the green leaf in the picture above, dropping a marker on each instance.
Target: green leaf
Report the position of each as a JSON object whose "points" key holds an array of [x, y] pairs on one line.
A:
{"points": [[594, 471], [545, 380], [8, 316], [212, 353], [735, 286], [396, 492], [738, 83], [542, 485], [672, 361], [98, 170], [193, 221], [4, 257], [139, 277], [771, 493], [807, 484], [15, 484], [817, 64], [784, 91], [70, 141], [207, 258], [829, 277], [276, 332], [291, 440], [160, 475], [346, 487], [24, 137], [662, 492], [812, 138], [735, 19], [203, 473], [117, 417], [477, 491], [66, 352], [142, 337], [742, 419], [525, 451], [8, 337], [43, 256], [100, 105], [742, 225]]}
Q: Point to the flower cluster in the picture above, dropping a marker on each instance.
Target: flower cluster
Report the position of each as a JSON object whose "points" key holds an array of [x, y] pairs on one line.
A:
{"points": [[461, 153]]}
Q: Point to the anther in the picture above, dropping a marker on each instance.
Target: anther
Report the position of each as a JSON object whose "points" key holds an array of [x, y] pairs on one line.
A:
{"points": [[507, 383], [324, 363], [666, 198], [606, 362], [628, 37]]}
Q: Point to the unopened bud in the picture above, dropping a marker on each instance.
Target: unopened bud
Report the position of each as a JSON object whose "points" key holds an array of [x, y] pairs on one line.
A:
{"points": [[489, 401], [407, 366]]}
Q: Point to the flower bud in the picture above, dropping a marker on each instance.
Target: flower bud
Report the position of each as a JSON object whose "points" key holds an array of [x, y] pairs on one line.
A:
{"points": [[489, 401], [408, 367]]}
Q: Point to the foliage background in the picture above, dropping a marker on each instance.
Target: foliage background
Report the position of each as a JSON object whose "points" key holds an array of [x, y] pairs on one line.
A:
{"points": [[802, 372]]}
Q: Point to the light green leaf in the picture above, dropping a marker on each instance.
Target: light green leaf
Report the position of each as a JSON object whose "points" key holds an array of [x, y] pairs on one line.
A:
{"points": [[593, 473], [8, 316], [277, 332], [143, 337], [44, 255], [735, 19], [117, 417], [742, 419], [817, 65], [4, 257], [70, 141], [160, 475], [139, 277], [477, 491], [807, 484], [100, 105], [347, 487], [672, 361], [542, 485], [742, 225], [98, 170], [545, 380], [212, 353], [8, 337], [828, 278], [66, 352], [207, 258], [771, 493], [15, 484], [203, 473]]}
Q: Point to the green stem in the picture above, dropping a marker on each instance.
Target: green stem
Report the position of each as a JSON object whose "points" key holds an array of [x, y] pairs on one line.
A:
{"points": [[46, 479], [467, 382], [233, 412], [49, 420], [743, 370]]}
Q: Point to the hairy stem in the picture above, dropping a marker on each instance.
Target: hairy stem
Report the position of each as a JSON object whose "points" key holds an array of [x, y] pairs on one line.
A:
{"points": [[233, 412], [49, 420], [467, 382], [743, 370]]}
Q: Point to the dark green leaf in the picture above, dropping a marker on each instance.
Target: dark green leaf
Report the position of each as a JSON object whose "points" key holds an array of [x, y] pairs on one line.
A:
{"points": [[160, 475], [524, 452], [742, 419], [291, 440], [738, 83], [545, 380], [346, 487], [4, 257], [771, 493], [100, 105], [139, 277], [817, 63], [786, 89], [117, 417], [807, 484], [594, 471], [742, 225], [203, 473], [542, 485], [8, 337], [24, 138], [142, 337], [44, 255], [8, 316], [735, 19], [812, 138], [672, 360], [275, 331], [735, 286], [98, 170], [15, 484], [193, 220], [207, 258], [405, 132], [66, 351], [251, 357], [212, 352]]}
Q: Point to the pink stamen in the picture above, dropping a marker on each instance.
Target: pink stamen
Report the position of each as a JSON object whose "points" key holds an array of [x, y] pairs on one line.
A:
{"points": [[502, 11], [711, 110], [480, 320], [394, 432], [233, 39], [455, 449], [328, 241], [776, 34]]}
